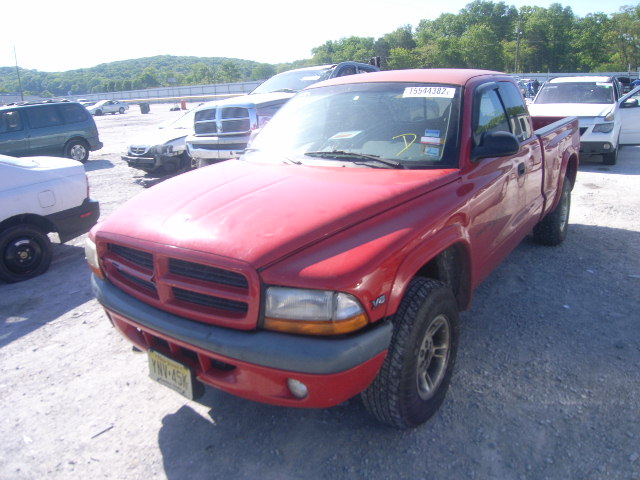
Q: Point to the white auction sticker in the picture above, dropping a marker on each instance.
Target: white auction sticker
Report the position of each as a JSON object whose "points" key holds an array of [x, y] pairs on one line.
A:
{"points": [[429, 92]]}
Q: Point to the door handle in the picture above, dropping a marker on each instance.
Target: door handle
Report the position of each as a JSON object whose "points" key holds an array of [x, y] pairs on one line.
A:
{"points": [[521, 169]]}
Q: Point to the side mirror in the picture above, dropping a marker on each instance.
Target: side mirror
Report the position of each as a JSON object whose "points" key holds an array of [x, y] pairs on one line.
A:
{"points": [[630, 103], [495, 144]]}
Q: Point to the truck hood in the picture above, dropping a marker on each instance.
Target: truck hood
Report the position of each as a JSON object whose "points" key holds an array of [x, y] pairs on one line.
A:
{"points": [[571, 109], [250, 100], [261, 213]]}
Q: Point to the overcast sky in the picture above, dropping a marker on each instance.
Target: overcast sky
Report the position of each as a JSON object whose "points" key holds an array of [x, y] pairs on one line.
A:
{"points": [[82, 34]]}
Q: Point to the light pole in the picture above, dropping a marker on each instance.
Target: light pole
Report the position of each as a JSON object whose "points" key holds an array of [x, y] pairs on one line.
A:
{"points": [[518, 35]]}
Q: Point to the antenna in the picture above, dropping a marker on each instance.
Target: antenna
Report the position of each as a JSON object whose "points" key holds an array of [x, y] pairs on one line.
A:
{"points": [[18, 72]]}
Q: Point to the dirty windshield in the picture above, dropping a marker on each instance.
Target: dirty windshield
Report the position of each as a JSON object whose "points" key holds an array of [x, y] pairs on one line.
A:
{"points": [[293, 81], [377, 125], [576, 92]]}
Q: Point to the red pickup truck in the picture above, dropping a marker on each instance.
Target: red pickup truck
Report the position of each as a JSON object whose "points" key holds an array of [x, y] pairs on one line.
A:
{"points": [[332, 259]]}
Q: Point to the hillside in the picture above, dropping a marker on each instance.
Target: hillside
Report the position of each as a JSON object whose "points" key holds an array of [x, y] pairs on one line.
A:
{"points": [[135, 74]]}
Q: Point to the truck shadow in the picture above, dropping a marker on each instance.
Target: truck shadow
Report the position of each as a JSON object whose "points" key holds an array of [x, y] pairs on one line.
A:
{"points": [[545, 327], [27, 306]]}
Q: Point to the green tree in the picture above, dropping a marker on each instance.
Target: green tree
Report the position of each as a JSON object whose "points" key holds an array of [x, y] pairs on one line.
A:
{"points": [[149, 78], [590, 42], [352, 48], [228, 73], [480, 48], [626, 36], [263, 71]]}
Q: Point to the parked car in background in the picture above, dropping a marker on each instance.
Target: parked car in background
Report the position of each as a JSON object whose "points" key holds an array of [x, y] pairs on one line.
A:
{"points": [[61, 129], [107, 106], [164, 150], [630, 118], [595, 100], [40, 195], [222, 129]]}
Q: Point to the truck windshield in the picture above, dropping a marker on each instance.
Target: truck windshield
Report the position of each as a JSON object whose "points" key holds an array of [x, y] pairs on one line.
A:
{"points": [[576, 92], [293, 81], [407, 124]]}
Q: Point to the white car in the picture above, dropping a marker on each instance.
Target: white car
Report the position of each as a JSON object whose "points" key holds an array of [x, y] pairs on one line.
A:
{"points": [[630, 118], [107, 106], [40, 195], [164, 150], [597, 103]]}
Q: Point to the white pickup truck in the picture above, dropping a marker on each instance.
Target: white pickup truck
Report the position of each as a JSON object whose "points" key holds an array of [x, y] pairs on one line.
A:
{"points": [[38, 196]]}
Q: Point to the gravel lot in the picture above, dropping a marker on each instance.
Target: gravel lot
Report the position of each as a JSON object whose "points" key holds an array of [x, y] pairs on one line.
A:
{"points": [[547, 382]]}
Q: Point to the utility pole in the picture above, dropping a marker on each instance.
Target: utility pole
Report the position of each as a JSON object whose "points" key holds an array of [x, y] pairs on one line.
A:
{"points": [[518, 34], [18, 72]]}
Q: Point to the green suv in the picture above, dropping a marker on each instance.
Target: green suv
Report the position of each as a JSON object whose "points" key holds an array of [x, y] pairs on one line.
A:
{"points": [[54, 128]]}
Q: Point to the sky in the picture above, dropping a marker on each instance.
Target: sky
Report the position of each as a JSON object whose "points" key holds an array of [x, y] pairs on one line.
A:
{"points": [[83, 34]]}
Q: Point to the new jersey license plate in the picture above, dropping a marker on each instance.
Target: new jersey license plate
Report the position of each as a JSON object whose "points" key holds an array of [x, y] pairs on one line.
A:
{"points": [[174, 375]]}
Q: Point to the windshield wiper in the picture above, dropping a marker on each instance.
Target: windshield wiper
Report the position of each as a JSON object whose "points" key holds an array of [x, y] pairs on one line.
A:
{"points": [[341, 155]]}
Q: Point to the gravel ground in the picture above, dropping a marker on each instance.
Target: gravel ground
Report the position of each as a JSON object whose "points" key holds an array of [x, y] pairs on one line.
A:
{"points": [[547, 381]]}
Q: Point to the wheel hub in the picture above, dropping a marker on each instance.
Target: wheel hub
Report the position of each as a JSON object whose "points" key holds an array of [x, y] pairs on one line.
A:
{"points": [[433, 357]]}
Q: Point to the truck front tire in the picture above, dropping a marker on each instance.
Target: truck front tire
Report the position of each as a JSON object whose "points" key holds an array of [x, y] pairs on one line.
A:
{"points": [[414, 378], [25, 252]]}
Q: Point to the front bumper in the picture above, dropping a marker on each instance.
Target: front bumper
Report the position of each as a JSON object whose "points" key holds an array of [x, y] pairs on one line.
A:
{"points": [[152, 163], [596, 148], [217, 148], [254, 365]]}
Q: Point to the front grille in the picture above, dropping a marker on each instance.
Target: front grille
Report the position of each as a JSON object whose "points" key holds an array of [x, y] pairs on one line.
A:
{"points": [[213, 294], [138, 150], [140, 258], [205, 272], [236, 147], [209, 301], [223, 121]]}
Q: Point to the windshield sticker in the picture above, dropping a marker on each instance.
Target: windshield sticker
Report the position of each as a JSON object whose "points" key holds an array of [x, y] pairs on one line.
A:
{"points": [[600, 84], [431, 137], [429, 92], [310, 78], [432, 151], [345, 135]]}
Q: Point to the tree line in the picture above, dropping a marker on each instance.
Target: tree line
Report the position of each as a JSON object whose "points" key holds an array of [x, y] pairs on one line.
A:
{"points": [[485, 34]]}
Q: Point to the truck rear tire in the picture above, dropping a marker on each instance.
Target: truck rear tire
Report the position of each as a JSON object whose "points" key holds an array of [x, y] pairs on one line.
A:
{"points": [[25, 252], [414, 378], [552, 229]]}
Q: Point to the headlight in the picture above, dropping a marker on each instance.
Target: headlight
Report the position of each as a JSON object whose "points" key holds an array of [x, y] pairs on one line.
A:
{"points": [[263, 120], [91, 253], [603, 127], [312, 312]]}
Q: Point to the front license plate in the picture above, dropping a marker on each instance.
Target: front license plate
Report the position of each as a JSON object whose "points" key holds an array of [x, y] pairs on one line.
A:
{"points": [[174, 375]]}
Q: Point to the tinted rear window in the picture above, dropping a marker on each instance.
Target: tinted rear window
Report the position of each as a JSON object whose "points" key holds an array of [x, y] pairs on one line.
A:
{"points": [[44, 116], [73, 113]]}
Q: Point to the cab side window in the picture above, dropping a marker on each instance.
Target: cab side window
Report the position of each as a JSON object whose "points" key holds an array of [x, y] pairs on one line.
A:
{"points": [[490, 116], [516, 111]]}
